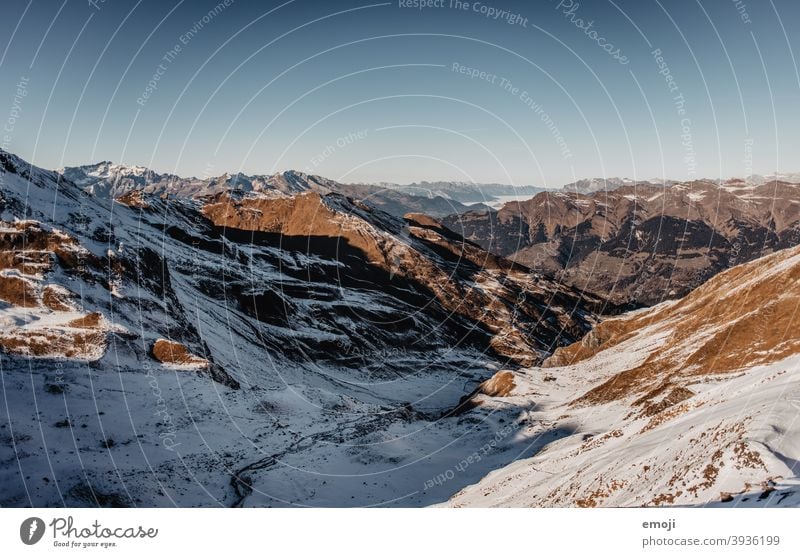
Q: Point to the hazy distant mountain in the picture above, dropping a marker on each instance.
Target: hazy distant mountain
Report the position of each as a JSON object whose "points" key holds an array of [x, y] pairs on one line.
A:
{"points": [[464, 192], [591, 185]]}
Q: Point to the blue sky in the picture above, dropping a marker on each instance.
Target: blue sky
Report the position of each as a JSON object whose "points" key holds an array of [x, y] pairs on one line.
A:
{"points": [[538, 92]]}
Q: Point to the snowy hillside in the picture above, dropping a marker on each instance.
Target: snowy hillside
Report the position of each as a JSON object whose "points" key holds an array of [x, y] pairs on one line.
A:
{"points": [[693, 402], [278, 346], [249, 348]]}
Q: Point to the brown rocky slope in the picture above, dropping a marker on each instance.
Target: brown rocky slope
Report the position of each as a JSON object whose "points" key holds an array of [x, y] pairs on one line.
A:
{"points": [[641, 243]]}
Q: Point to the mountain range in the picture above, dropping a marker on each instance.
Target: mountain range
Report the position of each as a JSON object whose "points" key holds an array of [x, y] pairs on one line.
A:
{"points": [[280, 341], [641, 243], [247, 347], [435, 199]]}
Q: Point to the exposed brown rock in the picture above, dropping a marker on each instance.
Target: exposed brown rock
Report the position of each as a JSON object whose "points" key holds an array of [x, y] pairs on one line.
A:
{"points": [[30, 249], [18, 291], [501, 384], [90, 321], [54, 343], [56, 298], [675, 396], [169, 352], [25, 261], [133, 198], [300, 215]]}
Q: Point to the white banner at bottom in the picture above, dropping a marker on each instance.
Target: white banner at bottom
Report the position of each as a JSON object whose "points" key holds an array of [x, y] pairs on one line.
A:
{"points": [[400, 532]]}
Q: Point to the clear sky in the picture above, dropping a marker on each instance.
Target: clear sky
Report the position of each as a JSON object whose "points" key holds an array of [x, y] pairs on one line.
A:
{"points": [[361, 91]]}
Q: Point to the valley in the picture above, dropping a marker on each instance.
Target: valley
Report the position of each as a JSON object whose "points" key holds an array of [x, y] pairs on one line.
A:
{"points": [[280, 341]]}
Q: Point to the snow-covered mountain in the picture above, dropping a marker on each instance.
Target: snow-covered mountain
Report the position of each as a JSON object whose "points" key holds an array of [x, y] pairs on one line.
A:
{"points": [[253, 343], [249, 348], [109, 180], [106, 179], [692, 402]]}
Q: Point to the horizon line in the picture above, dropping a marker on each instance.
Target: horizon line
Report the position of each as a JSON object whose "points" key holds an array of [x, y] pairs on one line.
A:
{"points": [[729, 177]]}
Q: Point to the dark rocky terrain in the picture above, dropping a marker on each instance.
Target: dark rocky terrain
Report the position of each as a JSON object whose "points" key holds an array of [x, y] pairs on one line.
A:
{"points": [[237, 345], [641, 243], [245, 341]]}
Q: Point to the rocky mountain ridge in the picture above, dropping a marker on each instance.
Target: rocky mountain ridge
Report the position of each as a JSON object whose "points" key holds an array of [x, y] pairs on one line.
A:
{"points": [[248, 348], [643, 243]]}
